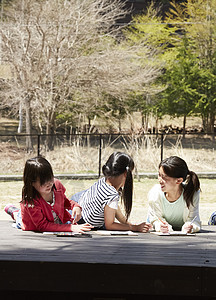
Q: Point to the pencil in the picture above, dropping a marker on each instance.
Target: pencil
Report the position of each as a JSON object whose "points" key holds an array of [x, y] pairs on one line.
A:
{"points": [[74, 218], [162, 221], [193, 220]]}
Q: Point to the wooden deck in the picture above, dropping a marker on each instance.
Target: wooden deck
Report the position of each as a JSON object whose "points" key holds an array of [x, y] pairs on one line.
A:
{"points": [[121, 267]]}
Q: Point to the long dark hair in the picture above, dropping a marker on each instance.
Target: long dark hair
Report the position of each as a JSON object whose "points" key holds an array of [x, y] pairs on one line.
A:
{"points": [[117, 164], [176, 167], [37, 168]]}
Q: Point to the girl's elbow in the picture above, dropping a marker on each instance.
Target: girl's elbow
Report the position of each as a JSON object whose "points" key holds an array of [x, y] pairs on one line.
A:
{"points": [[108, 225]]}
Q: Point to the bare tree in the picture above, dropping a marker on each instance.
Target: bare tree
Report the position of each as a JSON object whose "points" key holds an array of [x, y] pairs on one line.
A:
{"points": [[65, 52]]}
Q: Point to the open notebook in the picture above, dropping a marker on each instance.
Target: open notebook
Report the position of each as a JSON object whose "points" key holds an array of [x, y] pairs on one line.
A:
{"points": [[171, 233], [67, 234], [114, 232]]}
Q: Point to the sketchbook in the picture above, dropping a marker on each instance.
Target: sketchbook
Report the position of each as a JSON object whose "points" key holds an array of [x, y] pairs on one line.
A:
{"points": [[172, 233], [114, 232], [67, 234]]}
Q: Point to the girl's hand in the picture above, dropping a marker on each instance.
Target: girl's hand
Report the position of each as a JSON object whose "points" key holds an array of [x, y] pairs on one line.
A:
{"points": [[187, 228], [164, 228], [76, 214], [81, 228], [142, 227]]}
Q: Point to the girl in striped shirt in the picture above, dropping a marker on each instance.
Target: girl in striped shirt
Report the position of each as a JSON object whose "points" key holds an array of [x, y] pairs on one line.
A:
{"points": [[100, 202]]}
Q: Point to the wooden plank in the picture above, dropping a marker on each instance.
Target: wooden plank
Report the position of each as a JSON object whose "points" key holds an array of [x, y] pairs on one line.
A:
{"points": [[148, 249], [143, 265]]}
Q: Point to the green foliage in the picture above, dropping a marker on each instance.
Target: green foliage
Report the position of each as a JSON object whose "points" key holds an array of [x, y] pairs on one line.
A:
{"points": [[161, 39], [185, 43], [182, 78], [152, 30], [197, 21]]}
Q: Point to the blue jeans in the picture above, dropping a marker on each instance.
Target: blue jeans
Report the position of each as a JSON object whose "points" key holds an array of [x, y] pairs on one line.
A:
{"points": [[76, 197], [18, 220]]}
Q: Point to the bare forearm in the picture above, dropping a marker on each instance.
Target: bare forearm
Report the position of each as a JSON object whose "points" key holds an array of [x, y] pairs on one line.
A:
{"points": [[110, 224], [142, 227], [118, 226]]}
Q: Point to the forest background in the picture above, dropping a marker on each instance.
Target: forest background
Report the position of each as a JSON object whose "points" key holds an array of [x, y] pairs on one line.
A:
{"points": [[65, 62], [79, 67]]}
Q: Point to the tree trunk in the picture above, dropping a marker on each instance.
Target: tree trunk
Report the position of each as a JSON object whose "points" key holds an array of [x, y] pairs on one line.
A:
{"points": [[145, 120], [29, 145], [212, 121], [184, 125], [208, 124], [156, 124], [205, 123], [50, 131], [19, 130], [131, 122], [89, 125], [119, 123]]}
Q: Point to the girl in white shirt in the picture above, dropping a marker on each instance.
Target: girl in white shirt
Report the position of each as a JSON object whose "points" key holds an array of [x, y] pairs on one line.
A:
{"points": [[174, 203], [100, 202]]}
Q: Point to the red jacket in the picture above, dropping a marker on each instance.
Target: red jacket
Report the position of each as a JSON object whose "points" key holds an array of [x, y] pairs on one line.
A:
{"points": [[39, 217]]}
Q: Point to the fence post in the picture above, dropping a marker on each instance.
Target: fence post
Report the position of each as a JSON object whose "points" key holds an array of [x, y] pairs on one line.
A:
{"points": [[38, 145], [100, 150], [162, 146]]}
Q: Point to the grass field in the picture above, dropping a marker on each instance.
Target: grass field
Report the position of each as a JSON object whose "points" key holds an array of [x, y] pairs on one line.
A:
{"points": [[76, 158], [10, 192], [81, 155]]}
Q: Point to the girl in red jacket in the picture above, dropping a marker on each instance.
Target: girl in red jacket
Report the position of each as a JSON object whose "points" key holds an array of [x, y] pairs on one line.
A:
{"points": [[44, 206]]}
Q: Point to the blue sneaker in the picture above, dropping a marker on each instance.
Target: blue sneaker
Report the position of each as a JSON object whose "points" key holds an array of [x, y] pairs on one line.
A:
{"points": [[212, 219]]}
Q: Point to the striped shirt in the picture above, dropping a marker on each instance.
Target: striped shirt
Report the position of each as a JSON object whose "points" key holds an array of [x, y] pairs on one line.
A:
{"points": [[94, 200]]}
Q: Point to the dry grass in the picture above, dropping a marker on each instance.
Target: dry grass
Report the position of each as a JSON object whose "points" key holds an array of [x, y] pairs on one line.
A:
{"points": [[76, 156], [10, 192], [80, 158], [134, 122]]}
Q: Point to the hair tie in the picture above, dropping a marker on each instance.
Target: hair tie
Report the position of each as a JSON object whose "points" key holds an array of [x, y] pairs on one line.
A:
{"points": [[127, 168]]}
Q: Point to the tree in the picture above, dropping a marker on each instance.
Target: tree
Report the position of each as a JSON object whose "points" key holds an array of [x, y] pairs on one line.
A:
{"points": [[182, 94], [161, 40], [197, 21], [185, 43], [68, 53]]}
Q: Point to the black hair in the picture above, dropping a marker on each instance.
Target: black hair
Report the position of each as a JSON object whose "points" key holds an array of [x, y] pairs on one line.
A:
{"points": [[176, 167], [117, 164], [37, 168]]}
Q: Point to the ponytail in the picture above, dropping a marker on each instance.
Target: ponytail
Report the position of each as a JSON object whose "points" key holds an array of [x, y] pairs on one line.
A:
{"points": [[192, 185], [127, 193], [117, 164]]}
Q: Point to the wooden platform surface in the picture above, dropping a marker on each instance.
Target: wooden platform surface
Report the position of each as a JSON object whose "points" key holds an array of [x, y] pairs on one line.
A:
{"points": [[140, 265]]}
